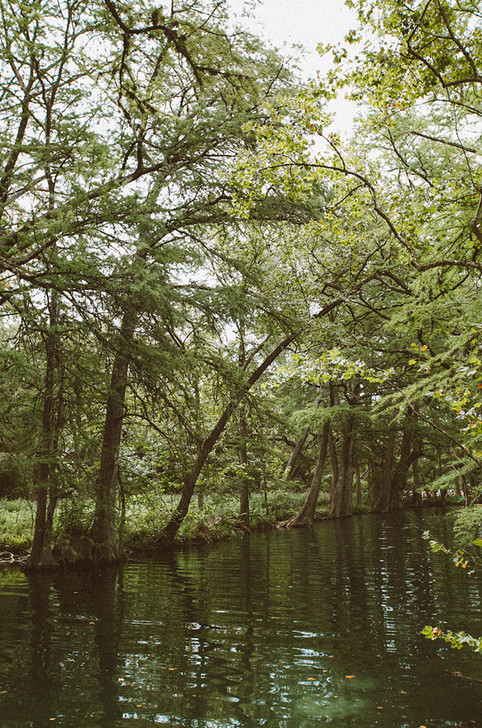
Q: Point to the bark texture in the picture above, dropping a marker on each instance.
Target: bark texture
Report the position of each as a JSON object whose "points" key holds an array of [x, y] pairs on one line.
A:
{"points": [[104, 535], [41, 555]]}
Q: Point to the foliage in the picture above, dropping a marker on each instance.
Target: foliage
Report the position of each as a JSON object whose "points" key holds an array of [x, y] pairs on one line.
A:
{"points": [[455, 639], [217, 519], [175, 208], [16, 524], [459, 557], [468, 528], [467, 561], [14, 476]]}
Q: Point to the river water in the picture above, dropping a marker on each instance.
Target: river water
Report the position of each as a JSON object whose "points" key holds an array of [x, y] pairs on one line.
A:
{"points": [[286, 629]]}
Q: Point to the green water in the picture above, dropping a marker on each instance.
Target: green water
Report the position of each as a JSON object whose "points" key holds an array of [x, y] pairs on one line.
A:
{"points": [[255, 632]]}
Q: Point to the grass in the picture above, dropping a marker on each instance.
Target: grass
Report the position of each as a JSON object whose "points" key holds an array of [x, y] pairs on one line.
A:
{"points": [[16, 525], [148, 513], [218, 518]]}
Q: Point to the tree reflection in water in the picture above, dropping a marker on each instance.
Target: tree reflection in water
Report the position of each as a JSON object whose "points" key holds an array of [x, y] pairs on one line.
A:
{"points": [[294, 629]]}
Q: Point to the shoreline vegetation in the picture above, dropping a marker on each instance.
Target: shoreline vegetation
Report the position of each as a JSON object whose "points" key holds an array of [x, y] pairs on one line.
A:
{"points": [[212, 521], [209, 295]]}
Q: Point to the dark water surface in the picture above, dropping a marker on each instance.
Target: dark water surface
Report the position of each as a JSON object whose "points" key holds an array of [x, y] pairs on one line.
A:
{"points": [[262, 631]]}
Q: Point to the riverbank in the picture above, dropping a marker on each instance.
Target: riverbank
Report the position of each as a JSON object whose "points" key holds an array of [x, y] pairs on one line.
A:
{"points": [[209, 521]]}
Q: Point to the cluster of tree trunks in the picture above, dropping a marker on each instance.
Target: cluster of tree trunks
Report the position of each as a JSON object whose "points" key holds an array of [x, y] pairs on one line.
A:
{"points": [[402, 452]]}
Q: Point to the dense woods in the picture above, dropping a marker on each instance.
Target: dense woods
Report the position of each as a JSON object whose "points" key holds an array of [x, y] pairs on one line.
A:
{"points": [[207, 294]]}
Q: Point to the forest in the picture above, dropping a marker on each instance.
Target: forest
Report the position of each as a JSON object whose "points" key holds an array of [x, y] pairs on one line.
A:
{"points": [[217, 312]]}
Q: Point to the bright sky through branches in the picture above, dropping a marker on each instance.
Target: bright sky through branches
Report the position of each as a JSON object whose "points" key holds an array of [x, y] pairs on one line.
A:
{"points": [[285, 23], [308, 22]]}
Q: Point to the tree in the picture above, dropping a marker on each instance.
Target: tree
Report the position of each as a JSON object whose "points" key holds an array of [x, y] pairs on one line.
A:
{"points": [[115, 180], [407, 194]]}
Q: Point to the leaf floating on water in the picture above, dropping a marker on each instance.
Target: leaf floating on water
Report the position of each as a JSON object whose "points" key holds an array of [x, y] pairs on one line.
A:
{"points": [[171, 669], [311, 678], [379, 707], [349, 677], [404, 692]]}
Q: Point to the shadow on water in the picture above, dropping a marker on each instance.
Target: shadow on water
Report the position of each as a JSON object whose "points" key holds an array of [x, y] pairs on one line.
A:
{"points": [[286, 629]]}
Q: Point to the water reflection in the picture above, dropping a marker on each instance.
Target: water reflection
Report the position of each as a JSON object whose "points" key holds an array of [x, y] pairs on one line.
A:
{"points": [[284, 629]]}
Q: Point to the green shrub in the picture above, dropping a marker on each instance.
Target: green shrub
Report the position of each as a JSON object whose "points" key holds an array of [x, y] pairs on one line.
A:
{"points": [[74, 516], [146, 516]]}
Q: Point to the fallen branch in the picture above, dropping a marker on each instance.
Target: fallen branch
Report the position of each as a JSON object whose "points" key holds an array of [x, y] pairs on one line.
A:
{"points": [[457, 673]]}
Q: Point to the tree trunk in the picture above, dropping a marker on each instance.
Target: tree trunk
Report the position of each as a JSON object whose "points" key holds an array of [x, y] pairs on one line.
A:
{"points": [[306, 514], [243, 435], [417, 485], [104, 536], [341, 502], [358, 485], [291, 465], [399, 477], [394, 478], [205, 448], [243, 461], [383, 501], [41, 553]]}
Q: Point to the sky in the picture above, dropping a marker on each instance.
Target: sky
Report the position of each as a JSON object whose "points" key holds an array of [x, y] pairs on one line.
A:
{"points": [[307, 22]]}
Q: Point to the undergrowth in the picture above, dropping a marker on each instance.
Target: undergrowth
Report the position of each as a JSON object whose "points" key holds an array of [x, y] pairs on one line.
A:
{"points": [[147, 514], [16, 524]]}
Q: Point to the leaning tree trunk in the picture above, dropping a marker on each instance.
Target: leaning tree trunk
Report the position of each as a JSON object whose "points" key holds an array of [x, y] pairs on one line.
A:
{"points": [[207, 445], [205, 448], [306, 514], [104, 534], [296, 452]]}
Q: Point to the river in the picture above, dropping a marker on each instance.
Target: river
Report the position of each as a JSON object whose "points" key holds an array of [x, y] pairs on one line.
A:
{"points": [[285, 629]]}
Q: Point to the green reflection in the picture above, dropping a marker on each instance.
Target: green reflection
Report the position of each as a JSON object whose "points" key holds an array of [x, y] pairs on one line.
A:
{"points": [[302, 628]]}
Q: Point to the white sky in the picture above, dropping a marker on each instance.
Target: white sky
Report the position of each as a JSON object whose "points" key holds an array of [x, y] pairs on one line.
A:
{"points": [[306, 22]]}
